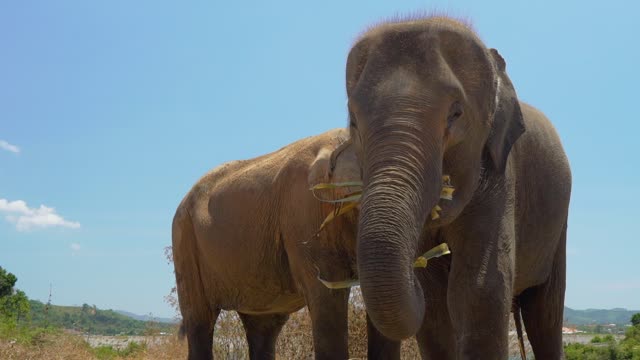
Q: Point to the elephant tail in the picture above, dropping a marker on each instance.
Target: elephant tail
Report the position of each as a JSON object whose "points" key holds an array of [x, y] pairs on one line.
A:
{"points": [[517, 318]]}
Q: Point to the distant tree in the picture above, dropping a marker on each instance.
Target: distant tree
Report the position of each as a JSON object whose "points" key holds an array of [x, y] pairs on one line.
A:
{"points": [[14, 304], [7, 281], [607, 348], [151, 327], [172, 297]]}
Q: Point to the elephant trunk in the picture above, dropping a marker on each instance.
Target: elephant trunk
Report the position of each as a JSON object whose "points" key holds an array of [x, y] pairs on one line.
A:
{"points": [[402, 178]]}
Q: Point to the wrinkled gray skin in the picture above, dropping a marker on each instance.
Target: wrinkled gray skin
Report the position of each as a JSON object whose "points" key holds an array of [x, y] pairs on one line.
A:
{"points": [[427, 98]]}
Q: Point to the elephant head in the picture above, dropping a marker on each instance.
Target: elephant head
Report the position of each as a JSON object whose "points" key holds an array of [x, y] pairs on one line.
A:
{"points": [[426, 98]]}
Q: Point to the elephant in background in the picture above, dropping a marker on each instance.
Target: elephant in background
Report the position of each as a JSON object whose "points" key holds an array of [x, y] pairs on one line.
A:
{"points": [[427, 98], [246, 238]]}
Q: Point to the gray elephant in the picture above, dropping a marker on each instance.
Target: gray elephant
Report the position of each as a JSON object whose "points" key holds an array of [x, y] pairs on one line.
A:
{"points": [[246, 238], [427, 98]]}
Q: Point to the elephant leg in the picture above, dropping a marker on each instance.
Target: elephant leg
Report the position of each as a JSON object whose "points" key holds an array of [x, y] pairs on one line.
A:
{"points": [[480, 281], [479, 297], [436, 338], [199, 311], [262, 333], [480, 315], [542, 309], [380, 347], [199, 334], [328, 309]]}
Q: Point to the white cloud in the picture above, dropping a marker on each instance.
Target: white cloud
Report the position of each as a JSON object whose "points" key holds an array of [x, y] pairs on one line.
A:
{"points": [[6, 146], [75, 247], [26, 218]]}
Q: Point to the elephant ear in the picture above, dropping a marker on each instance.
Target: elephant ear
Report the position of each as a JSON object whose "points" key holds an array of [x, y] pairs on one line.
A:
{"points": [[508, 123], [356, 62]]}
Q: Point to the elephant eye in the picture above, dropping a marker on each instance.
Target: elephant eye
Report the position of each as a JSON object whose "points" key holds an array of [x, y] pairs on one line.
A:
{"points": [[455, 112]]}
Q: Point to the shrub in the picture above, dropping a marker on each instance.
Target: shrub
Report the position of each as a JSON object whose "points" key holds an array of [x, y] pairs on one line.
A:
{"points": [[596, 340], [133, 349]]}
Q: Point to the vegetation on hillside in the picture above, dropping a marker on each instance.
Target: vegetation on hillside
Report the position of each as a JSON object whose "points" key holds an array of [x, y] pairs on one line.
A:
{"points": [[19, 314], [607, 348], [91, 320]]}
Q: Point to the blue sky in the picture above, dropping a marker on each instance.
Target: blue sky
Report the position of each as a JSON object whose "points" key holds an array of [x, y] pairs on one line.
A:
{"points": [[110, 111]]}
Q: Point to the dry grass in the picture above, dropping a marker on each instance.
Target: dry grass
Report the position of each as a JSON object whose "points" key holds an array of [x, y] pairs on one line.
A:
{"points": [[52, 346], [295, 342]]}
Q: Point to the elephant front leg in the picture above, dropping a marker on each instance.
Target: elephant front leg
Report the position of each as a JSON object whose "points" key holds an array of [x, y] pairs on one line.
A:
{"points": [[328, 309], [479, 306], [380, 347], [480, 291], [436, 337]]}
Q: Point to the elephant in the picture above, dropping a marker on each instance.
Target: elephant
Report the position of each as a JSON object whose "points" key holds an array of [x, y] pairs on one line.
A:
{"points": [[427, 98], [246, 238]]}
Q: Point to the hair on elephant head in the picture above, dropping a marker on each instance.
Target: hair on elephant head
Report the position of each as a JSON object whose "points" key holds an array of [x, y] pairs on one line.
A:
{"points": [[426, 98]]}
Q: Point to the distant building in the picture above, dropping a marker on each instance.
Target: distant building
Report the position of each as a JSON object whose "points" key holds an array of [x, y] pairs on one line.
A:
{"points": [[570, 330]]}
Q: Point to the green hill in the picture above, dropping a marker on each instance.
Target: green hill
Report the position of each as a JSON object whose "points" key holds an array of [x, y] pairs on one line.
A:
{"points": [[89, 319], [598, 316]]}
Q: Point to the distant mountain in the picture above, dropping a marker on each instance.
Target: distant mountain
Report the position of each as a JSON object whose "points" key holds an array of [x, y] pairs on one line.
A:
{"points": [[616, 316], [147, 317]]}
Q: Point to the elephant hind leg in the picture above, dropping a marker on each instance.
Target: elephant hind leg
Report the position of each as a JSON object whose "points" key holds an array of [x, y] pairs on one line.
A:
{"points": [[262, 333], [542, 309], [199, 334], [199, 314]]}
